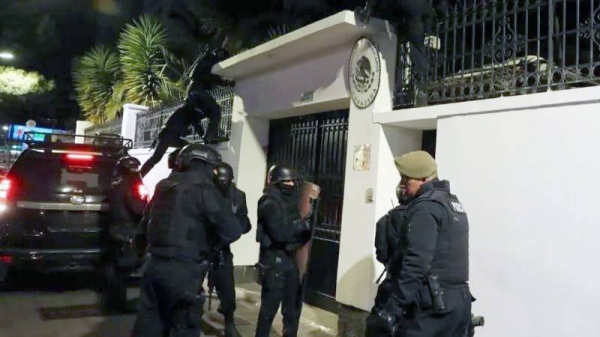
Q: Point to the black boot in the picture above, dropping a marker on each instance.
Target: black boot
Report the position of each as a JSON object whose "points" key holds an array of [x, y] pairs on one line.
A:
{"points": [[230, 330]]}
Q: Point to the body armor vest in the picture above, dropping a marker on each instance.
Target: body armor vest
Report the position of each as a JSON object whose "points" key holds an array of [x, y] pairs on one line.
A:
{"points": [[262, 235], [451, 258], [172, 232]]}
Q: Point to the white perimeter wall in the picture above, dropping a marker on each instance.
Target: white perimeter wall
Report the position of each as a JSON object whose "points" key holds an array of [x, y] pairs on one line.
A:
{"points": [[527, 178]]}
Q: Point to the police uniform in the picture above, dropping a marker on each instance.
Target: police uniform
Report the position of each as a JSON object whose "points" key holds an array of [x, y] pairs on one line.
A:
{"points": [[389, 234], [221, 274], [186, 215], [198, 105], [280, 232], [430, 290], [127, 202]]}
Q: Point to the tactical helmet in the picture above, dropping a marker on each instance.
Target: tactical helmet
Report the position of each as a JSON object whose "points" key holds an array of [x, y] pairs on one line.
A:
{"points": [[193, 152], [172, 157], [281, 173], [224, 175], [128, 162]]}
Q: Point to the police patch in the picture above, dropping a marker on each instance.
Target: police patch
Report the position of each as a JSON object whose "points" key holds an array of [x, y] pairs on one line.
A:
{"points": [[457, 207]]}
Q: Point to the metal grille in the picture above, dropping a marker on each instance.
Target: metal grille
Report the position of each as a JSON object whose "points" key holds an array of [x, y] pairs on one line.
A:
{"points": [[148, 124], [491, 48], [316, 146]]}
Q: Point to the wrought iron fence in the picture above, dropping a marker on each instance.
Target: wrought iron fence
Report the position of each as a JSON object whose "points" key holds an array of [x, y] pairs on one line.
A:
{"points": [[148, 124], [490, 48], [112, 127]]}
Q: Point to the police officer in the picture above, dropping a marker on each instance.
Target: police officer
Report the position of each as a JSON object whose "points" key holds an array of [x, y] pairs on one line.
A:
{"points": [[431, 295], [127, 200], [388, 228], [388, 235], [221, 274], [186, 215], [280, 231], [199, 104]]}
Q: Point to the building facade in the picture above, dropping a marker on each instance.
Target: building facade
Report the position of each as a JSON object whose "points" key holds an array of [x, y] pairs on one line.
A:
{"points": [[321, 98]]}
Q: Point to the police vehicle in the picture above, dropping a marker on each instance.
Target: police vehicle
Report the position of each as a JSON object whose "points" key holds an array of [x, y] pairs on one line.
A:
{"points": [[53, 209]]}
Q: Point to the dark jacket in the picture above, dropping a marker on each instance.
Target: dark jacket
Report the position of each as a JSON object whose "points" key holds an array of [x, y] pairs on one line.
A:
{"points": [[279, 223], [189, 206], [436, 242], [387, 233]]}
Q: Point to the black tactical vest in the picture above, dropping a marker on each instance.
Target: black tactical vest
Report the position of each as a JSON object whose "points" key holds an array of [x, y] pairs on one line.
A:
{"points": [[262, 235], [451, 258], [172, 232]]}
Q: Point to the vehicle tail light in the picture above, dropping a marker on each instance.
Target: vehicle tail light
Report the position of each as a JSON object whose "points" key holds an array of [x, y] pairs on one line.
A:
{"points": [[142, 191], [79, 157], [5, 188], [6, 259]]}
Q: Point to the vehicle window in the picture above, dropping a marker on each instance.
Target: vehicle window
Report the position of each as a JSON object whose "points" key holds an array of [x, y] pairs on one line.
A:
{"points": [[38, 172]]}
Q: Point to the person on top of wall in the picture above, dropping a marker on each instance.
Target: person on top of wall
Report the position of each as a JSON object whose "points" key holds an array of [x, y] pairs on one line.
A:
{"points": [[221, 274], [198, 105], [429, 293], [127, 200], [280, 231]]}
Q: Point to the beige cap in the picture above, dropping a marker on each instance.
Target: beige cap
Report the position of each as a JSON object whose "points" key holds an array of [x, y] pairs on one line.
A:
{"points": [[416, 164]]}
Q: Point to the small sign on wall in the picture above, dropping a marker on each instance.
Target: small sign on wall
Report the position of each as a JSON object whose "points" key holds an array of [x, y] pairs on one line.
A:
{"points": [[362, 157]]}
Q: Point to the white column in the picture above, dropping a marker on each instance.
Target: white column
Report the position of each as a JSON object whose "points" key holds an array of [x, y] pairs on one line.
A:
{"points": [[80, 127], [128, 125], [368, 194], [247, 154]]}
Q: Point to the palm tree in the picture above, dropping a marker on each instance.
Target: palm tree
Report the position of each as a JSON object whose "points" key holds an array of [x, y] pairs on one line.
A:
{"points": [[144, 61], [96, 75]]}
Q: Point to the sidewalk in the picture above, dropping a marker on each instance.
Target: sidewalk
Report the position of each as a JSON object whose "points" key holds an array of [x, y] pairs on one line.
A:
{"points": [[314, 322]]}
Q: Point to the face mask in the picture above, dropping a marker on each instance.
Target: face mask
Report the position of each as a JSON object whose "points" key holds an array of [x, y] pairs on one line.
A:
{"points": [[287, 189]]}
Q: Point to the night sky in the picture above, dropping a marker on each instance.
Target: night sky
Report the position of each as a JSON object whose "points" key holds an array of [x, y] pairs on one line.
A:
{"points": [[45, 35]]}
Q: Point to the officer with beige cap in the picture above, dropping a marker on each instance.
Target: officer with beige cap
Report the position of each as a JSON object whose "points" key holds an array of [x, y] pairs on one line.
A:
{"points": [[430, 293]]}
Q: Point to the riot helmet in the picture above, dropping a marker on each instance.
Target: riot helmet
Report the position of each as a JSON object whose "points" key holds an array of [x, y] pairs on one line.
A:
{"points": [[126, 164], [199, 152], [172, 157], [223, 176], [280, 174]]}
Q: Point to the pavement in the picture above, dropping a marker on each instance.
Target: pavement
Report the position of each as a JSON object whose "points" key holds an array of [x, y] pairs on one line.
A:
{"points": [[313, 323], [67, 307]]}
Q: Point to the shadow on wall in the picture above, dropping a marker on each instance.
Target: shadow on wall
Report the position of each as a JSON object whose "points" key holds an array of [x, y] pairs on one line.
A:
{"points": [[351, 321]]}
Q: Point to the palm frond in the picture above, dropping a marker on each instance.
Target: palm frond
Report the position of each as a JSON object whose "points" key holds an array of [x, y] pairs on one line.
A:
{"points": [[143, 61], [94, 76]]}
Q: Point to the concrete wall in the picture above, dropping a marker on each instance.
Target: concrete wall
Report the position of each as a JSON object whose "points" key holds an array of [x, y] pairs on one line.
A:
{"points": [[522, 167], [524, 177]]}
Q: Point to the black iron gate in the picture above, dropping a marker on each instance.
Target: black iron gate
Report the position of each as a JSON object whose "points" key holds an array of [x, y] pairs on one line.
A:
{"points": [[316, 146]]}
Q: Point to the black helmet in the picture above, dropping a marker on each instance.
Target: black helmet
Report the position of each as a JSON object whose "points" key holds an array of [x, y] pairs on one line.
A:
{"points": [[193, 152], [224, 175], [220, 54], [126, 163], [280, 173], [172, 158]]}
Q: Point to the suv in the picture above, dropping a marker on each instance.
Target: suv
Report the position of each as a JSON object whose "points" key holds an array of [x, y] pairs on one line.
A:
{"points": [[53, 204]]}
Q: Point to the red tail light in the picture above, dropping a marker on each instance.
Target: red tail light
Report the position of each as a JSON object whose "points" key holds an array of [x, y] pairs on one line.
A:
{"points": [[79, 157], [6, 259], [142, 191], [5, 188]]}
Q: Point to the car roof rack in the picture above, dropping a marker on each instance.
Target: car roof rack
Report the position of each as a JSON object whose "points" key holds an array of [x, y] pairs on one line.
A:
{"points": [[106, 141]]}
